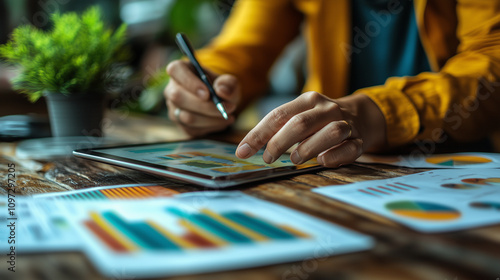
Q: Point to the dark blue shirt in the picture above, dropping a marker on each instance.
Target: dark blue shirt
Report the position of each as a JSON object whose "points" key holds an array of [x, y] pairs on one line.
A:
{"points": [[385, 42]]}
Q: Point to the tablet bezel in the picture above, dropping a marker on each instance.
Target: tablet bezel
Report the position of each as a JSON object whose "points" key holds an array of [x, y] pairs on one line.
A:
{"points": [[184, 175]]}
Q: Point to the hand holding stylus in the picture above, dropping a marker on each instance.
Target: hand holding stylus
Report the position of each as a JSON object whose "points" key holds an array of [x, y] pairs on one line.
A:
{"points": [[195, 107]]}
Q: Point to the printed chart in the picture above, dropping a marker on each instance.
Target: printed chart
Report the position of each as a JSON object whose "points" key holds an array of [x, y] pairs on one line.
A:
{"points": [[433, 201], [486, 205], [187, 233], [423, 210], [204, 230], [457, 160], [387, 189], [446, 161], [41, 227], [196, 232], [114, 193]]}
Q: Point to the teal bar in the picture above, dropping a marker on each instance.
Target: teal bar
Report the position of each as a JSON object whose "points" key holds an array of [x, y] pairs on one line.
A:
{"points": [[177, 212], [93, 195], [80, 196], [259, 225], [219, 229], [100, 194], [157, 240], [130, 231], [87, 196], [212, 226]]}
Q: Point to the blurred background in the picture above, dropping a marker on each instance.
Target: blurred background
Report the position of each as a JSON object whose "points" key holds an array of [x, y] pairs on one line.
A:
{"points": [[152, 25]]}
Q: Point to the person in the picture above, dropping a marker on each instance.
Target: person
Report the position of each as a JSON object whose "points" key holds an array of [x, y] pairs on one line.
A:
{"points": [[423, 70]]}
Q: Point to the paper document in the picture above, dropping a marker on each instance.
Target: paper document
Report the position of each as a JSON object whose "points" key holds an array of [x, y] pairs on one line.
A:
{"points": [[185, 234], [448, 161], [432, 201]]}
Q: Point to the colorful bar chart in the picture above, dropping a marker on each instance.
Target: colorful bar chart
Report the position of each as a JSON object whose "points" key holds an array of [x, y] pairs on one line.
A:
{"points": [[388, 189], [132, 192], [202, 229]]}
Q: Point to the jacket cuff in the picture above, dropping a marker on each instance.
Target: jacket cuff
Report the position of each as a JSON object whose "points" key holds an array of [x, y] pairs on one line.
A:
{"points": [[401, 117]]}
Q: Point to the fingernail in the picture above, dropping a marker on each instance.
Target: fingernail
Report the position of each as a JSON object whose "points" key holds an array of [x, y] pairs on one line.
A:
{"points": [[296, 159], [244, 151], [267, 157], [222, 89], [230, 107], [320, 160], [201, 93]]}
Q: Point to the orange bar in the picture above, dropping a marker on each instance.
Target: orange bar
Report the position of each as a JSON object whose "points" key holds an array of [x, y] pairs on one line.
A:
{"points": [[148, 191], [135, 193], [122, 193], [109, 194]]}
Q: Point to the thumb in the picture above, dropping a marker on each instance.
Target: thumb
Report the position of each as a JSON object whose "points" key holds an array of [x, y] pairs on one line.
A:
{"points": [[227, 87]]}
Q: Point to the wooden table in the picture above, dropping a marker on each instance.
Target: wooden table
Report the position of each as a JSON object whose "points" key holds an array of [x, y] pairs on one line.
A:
{"points": [[399, 253]]}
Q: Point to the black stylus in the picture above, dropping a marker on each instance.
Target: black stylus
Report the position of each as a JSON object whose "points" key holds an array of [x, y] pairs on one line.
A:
{"points": [[186, 48]]}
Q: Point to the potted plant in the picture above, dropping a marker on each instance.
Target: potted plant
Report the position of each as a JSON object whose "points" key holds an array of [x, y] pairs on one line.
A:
{"points": [[72, 65]]}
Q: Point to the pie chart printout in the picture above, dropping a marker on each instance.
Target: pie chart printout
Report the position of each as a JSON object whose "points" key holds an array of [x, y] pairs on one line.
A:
{"points": [[473, 183], [457, 160], [460, 186], [486, 205], [423, 210]]}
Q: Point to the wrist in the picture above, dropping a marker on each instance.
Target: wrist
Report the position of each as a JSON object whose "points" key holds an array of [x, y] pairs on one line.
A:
{"points": [[368, 119]]}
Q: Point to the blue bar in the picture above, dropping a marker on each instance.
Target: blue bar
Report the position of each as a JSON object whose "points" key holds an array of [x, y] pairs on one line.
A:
{"points": [[129, 230], [87, 196], [212, 226], [219, 229], [259, 226], [157, 240], [93, 195]]}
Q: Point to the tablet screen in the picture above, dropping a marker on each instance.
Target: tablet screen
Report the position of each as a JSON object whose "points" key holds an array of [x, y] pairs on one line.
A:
{"points": [[210, 159]]}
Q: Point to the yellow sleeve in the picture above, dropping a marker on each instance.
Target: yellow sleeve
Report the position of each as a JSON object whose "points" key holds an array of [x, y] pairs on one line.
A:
{"points": [[462, 99], [252, 38]]}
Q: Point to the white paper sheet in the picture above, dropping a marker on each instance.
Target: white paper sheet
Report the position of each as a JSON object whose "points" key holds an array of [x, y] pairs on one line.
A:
{"points": [[432, 201], [189, 233], [441, 161], [40, 226]]}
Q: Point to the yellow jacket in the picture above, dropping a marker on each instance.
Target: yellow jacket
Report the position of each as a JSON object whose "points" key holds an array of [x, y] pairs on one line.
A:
{"points": [[461, 38]]}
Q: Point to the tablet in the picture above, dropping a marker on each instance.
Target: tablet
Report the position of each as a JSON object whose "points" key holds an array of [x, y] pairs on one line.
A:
{"points": [[202, 162]]}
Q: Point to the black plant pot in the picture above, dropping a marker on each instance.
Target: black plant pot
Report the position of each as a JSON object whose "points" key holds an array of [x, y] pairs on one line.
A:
{"points": [[75, 114]]}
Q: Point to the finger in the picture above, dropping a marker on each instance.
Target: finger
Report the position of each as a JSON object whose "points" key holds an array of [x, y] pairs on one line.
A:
{"points": [[227, 87], [184, 99], [344, 153], [194, 120], [182, 72], [273, 122], [298, 128], [329, 136]]}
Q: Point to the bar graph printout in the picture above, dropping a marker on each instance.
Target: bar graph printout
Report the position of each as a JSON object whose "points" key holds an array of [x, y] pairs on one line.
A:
{"points": [[194, 233], [115, 192], [187, 233], [433, 201]]}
